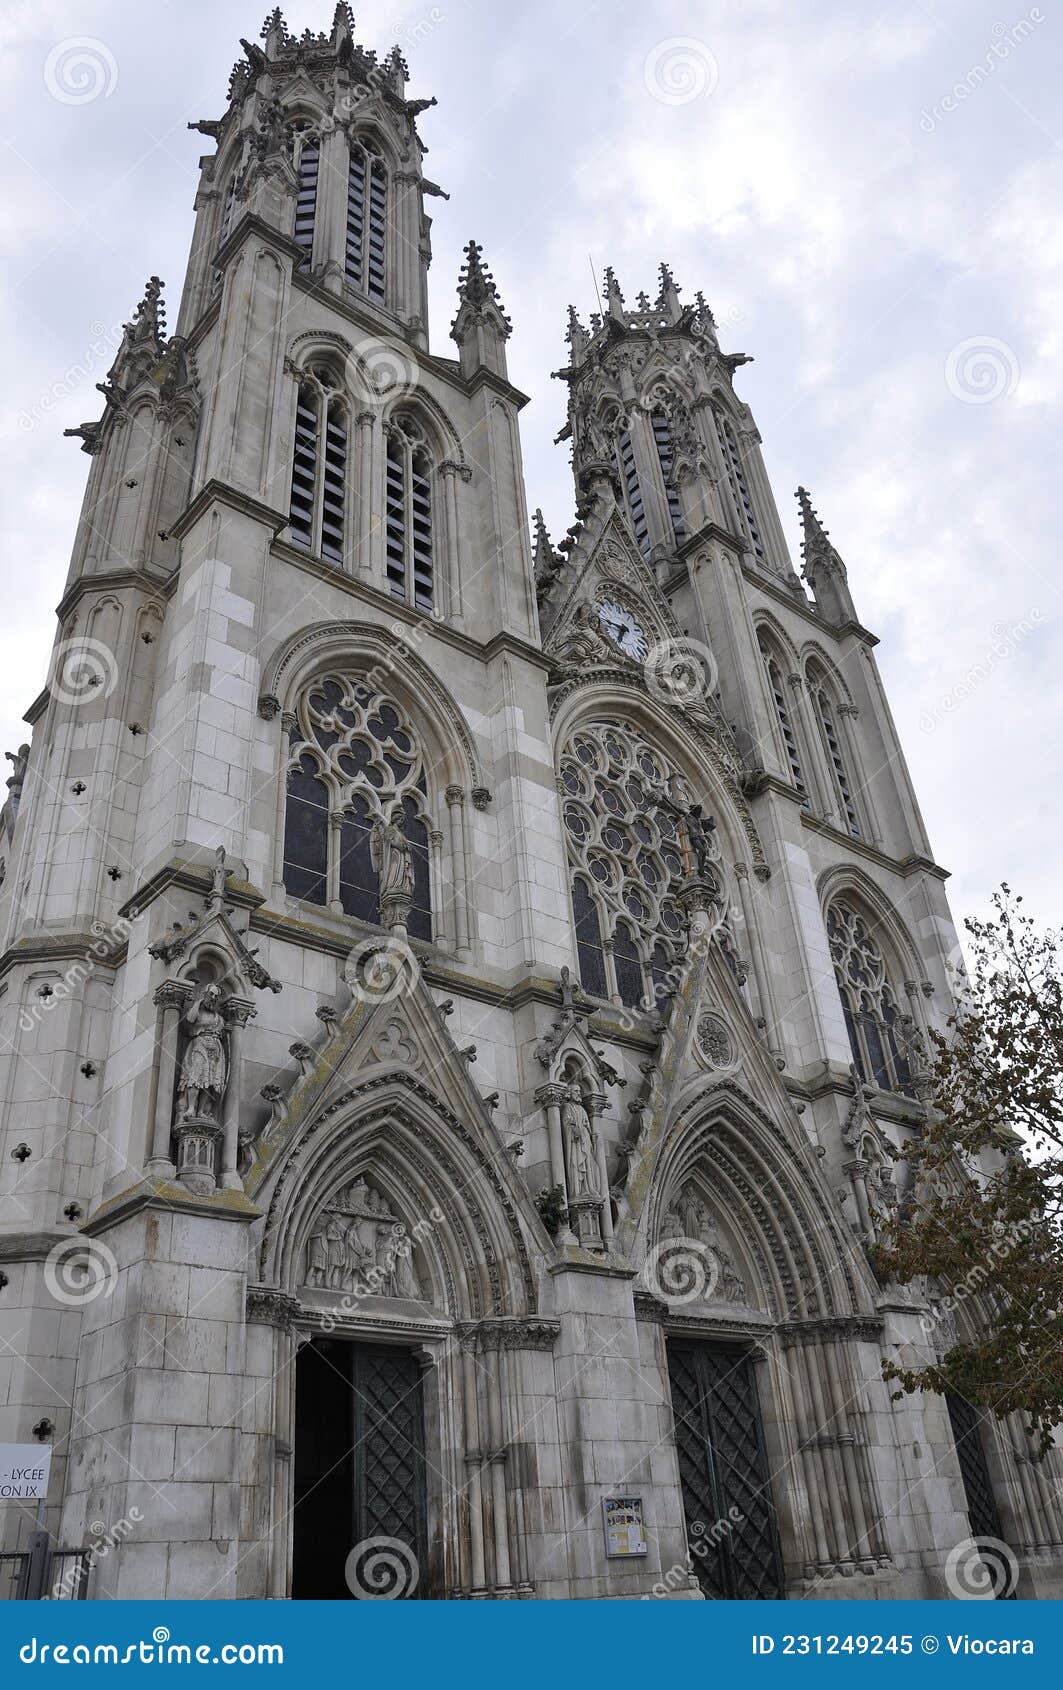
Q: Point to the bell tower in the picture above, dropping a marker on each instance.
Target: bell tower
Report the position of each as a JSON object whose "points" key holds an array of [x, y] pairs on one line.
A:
{"points": [[320, 143]]}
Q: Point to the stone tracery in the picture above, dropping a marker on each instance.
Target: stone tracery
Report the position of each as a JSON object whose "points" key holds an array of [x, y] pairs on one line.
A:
{"points": [[633, 837], [356, 774]]}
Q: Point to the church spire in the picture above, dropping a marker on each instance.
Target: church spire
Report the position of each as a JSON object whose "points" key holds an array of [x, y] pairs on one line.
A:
{"points": [[823, 568], [481, 327]]}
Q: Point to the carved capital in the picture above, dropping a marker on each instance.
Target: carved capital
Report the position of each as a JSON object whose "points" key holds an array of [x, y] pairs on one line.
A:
{"points": [[172, 994], [268, 1305], [551, 1093], [455, 795]]}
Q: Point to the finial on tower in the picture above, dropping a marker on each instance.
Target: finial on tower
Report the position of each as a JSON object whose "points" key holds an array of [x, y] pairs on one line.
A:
{"points": [[668, 297], [342, 24], [822, 566], [481, 327], [614, 299]]}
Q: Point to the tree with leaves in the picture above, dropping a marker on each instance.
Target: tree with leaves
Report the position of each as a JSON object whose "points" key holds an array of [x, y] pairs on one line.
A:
{"points": [[984, 1214]]}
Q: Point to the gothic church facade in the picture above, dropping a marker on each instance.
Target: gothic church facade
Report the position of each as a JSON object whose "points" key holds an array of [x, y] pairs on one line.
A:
{"points": [[461, 994]]}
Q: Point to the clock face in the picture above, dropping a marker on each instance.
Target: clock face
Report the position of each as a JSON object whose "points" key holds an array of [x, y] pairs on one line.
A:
{"points": [[623, 629]]}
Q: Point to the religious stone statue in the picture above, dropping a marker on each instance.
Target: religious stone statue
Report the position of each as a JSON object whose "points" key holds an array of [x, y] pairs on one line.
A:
{"points": [[391, 855], [205, 1067], [580, 1143], [700, 832], [690, 1219], [357, 1247]]}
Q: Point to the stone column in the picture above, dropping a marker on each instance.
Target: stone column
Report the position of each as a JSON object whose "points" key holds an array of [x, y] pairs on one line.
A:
{"points": [[169, 1000], [596, 1108], [452, 541], [332, 874], [272, 1343], [761, 972], [823, 777], [362, 524], [455, 797], [440, 913], [473, 1462], [238, 1011], [549, 1098], [848, 714]]}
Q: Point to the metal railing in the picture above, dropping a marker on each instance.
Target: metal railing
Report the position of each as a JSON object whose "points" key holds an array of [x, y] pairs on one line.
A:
{"points": [[41, 1573]]}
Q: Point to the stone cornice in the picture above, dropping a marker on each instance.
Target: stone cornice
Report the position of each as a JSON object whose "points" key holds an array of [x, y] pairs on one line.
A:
{"points": [[911, 864], [756, 578], [171, 1198], [190, 877], [359, 588], [115, 580], [220, 493], [31, 1246], [67, 947], [446, 369], [249, 225]]}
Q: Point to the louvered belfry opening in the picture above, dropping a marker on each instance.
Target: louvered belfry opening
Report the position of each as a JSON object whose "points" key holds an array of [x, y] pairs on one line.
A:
{"points": [[409, 536], [365, 263], [308, 154], [317, 510]]}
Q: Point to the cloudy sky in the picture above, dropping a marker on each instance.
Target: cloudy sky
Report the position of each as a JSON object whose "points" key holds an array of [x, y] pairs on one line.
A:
{"points": [[871, 198]]}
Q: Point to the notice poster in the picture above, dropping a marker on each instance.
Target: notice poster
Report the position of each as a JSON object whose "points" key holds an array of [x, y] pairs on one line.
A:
{"points": [[623, 1526]]}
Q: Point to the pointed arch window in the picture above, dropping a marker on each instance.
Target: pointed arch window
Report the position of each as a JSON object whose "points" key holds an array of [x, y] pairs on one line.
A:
{"points": [[869, 1002], [826, 715], [627, 861], [664, 441], [739, 485], [317, 513], [409, 515], [785, 720], [228, 208], [627, 470], [354, 760], [306, 144], [365, 263]]}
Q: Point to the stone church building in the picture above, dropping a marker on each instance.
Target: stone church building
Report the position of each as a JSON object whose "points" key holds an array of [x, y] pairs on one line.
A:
{"points": [[460, 992]]}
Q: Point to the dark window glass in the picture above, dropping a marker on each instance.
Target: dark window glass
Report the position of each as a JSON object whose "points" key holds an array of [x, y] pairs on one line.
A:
{"points": [[588, 941], [629, 981], [306, 834]]}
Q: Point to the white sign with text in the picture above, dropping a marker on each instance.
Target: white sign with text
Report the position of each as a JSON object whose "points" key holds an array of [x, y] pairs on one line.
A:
{"points": [[24, 1471]]}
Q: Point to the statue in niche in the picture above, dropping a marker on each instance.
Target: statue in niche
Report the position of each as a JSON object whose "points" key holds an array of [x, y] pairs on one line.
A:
{"points": [[204, 1067], [701, 838], [391, 855], [581, 1144], [358, 1247], [691, 1216]]}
